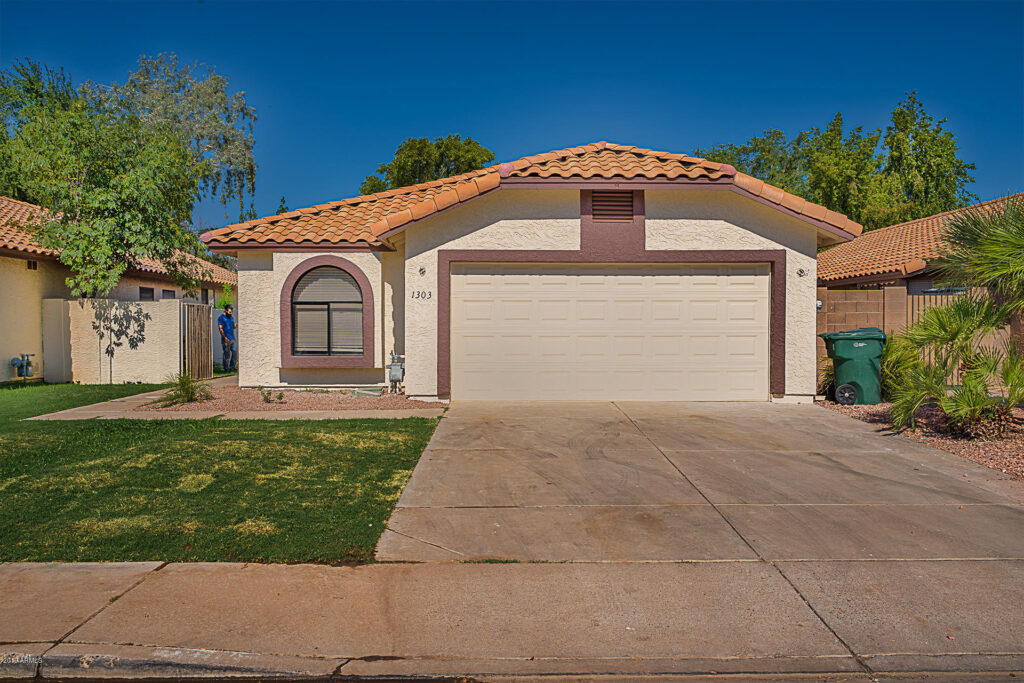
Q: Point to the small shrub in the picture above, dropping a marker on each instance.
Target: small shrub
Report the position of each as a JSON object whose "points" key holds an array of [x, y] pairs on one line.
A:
{"points": [[184, 389], [899, 358], [826, 376], [269, 397]]}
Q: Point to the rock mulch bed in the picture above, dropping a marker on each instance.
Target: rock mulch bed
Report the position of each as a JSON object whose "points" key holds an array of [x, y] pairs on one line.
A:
{"points": [[1005, 455], [228, 399]]}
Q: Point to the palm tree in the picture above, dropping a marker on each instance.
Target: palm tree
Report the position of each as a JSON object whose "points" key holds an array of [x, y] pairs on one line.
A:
{"points": [[984, 249]]}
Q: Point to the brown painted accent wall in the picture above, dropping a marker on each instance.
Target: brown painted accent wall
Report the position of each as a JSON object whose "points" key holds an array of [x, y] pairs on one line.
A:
{"points": [[290, 360], [775, 258], [612, 239]]}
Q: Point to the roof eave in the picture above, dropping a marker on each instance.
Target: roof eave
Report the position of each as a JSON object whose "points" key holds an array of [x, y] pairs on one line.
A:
{"points": [[232, 248], [911, 268]]}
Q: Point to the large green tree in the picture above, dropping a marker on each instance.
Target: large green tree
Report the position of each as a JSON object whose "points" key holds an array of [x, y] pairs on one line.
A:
{"points": [[119, 189], [910, 171], [771, 157], [843, 172], [418, 160], [27, 87], [923, 163], [194, 101]]}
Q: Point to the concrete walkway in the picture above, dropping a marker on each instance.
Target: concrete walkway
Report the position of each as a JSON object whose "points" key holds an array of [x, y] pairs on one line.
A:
{"points": [[125, 408], [795, 545]]}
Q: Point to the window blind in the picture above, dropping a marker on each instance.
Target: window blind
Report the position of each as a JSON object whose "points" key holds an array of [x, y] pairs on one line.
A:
{"points": [[327, 314], [327, 285]]}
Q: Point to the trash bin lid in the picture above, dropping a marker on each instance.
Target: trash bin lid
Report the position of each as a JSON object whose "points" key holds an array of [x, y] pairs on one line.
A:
{"points": [[862, 333]]}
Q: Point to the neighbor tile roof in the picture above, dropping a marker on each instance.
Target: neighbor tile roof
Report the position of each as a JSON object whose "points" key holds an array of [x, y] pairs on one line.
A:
{"points": [[900, 249], [368, 219], [14, 215]]}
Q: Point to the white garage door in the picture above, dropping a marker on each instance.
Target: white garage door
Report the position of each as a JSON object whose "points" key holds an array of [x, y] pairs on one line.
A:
{"points": [[605, 332]]}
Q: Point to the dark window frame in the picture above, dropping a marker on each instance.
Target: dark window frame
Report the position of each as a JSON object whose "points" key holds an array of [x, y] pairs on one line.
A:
{"points": [[142, 295], [289, 359]]}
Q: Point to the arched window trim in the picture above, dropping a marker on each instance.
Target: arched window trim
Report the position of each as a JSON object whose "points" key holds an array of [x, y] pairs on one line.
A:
{"points": [[291, 360]]}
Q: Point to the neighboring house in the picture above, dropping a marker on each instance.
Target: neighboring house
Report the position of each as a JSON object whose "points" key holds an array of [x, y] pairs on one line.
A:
{"points": [[885, 278], [596, 272], [901, 254], [30, 273]]}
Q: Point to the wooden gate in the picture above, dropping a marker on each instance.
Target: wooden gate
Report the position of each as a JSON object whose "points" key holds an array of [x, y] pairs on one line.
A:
{"points": [[917, 304], [196, 340]]}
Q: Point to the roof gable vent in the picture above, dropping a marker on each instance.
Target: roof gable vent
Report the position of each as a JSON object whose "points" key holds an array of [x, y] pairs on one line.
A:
{"points": [[612, 206]]}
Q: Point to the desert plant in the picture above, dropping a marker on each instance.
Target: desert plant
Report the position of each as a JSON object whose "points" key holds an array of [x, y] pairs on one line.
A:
{"points": [[984, 248], [185, 389], [980, 407], [951, 332], [899, 358]]}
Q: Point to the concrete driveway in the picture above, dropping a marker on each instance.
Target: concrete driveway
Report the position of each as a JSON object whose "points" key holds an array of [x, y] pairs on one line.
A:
{"points": [[772, 522], [632, 482]]}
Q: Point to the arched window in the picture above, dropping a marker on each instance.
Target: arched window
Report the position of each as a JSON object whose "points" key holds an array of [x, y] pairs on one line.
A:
{"points": [[327, 314]]}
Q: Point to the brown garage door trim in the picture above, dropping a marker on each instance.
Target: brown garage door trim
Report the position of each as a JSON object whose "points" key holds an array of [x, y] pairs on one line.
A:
{"points": [[775, 258]]}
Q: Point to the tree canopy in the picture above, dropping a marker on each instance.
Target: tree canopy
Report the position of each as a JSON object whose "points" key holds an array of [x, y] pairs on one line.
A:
{"points": [[193, 99], [877, 178], [119, 175], [418, 160]]}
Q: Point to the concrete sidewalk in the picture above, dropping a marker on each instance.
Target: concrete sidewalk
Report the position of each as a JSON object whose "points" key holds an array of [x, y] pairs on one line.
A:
{"points": [[486, 621], [125, 409]]}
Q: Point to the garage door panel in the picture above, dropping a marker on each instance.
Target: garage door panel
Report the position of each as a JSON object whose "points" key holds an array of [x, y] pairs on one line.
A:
{"points": [[558, 332]]}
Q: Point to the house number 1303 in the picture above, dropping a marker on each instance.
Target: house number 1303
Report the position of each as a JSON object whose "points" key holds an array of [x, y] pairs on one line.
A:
{"points": [[421, 294]]}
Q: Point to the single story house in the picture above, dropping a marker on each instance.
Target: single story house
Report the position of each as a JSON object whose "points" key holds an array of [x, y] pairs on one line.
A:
{"points": [[903, 254], [30, 273], [596, 272]]}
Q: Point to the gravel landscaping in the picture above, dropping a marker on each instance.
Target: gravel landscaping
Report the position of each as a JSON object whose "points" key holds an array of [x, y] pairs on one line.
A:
{"points": [[1005, 455], [228, 399]]}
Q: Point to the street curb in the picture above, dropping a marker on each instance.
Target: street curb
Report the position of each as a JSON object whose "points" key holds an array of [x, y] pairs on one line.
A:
{"points": [[133, 662]]}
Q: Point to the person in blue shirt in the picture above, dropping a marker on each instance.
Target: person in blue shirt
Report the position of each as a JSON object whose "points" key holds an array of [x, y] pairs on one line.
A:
{"points": [[226, 324]]}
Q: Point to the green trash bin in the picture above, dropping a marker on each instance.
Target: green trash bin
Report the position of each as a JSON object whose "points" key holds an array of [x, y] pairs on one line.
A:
{"points": [[857, 358]]}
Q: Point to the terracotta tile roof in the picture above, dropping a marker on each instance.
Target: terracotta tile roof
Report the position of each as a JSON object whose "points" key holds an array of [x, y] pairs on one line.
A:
{"points": [[367, 220], [15, 214], [900, 249]]}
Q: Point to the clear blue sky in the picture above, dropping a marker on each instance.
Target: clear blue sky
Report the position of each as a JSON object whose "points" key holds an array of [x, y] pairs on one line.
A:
{"points": [[337, 86]]}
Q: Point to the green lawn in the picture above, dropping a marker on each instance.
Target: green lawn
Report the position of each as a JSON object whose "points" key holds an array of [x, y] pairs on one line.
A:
{"points": [[194, 490]]}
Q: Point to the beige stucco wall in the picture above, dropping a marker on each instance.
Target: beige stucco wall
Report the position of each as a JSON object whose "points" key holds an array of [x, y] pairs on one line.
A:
{"points": [[145, 344], [508, 219], [714, 219], [21, 309], [261, 277]]}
